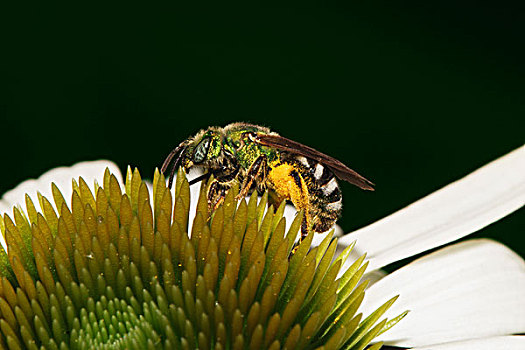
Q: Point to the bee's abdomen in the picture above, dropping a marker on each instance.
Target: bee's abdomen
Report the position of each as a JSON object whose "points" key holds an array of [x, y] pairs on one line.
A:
{"points": [[325, 196]]}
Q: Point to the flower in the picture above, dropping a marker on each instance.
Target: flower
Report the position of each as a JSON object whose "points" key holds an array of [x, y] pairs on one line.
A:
{"points": [[469, 295], [119, 270]]}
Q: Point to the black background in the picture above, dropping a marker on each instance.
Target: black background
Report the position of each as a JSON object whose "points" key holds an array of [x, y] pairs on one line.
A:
{"points": [[411, 95]]}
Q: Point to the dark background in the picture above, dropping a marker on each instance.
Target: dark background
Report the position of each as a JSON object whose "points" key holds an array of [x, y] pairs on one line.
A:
{"points": [[411, 95]]}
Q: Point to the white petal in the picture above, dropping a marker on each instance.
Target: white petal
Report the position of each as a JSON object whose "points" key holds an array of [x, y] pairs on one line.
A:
{"points": [[494, 343], [463, 207], [469, 290]]}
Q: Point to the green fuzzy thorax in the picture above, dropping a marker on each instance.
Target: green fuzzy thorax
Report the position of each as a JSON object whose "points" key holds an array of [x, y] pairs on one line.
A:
{"points": [[247, 151], [247, 154]]}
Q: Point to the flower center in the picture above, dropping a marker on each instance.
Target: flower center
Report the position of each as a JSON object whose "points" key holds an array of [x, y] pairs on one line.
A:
{"points": [[120, 271]]}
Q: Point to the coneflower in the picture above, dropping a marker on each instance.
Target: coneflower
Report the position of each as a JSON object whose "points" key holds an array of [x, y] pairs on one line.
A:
{"points": [[117, 269]]}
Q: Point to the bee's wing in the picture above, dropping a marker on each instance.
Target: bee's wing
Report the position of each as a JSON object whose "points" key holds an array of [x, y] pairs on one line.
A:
{"points": [[339, 169]]}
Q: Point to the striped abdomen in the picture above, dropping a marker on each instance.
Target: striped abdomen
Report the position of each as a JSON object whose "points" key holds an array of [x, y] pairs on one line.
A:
{"points": [[325, 196]]}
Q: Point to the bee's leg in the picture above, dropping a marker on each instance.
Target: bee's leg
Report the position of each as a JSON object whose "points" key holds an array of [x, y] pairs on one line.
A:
{"points": [[216, 193], [256, 172]]}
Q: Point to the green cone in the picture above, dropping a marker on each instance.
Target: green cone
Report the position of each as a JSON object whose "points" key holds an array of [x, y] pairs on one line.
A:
{"points": [[119, 271]]}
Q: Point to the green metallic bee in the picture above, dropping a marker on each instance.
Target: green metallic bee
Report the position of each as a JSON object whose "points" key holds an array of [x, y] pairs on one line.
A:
{"points": [[259, 159]]}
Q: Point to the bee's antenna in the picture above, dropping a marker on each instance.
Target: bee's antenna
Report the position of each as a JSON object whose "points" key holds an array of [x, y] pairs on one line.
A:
{"points": [[170, 156], [179, 151], [172, 175]]}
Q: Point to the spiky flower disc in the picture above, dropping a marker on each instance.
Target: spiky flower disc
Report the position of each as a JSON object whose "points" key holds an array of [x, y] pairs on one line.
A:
{"points": [[119, 271]]}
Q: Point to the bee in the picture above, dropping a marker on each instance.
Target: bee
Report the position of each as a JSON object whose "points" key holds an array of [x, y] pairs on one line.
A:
{"points": [[258, 160]]}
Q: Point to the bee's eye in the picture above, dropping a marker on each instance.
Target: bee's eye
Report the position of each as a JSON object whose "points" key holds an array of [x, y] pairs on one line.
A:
{"points": [[201, 151]]}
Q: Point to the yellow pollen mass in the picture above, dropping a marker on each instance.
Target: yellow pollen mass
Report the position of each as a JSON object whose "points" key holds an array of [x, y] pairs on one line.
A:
{"points": [[286, 186]]}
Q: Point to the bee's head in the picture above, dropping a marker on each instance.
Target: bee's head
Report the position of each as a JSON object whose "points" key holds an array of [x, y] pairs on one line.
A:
{"points": [[203, 148]]}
